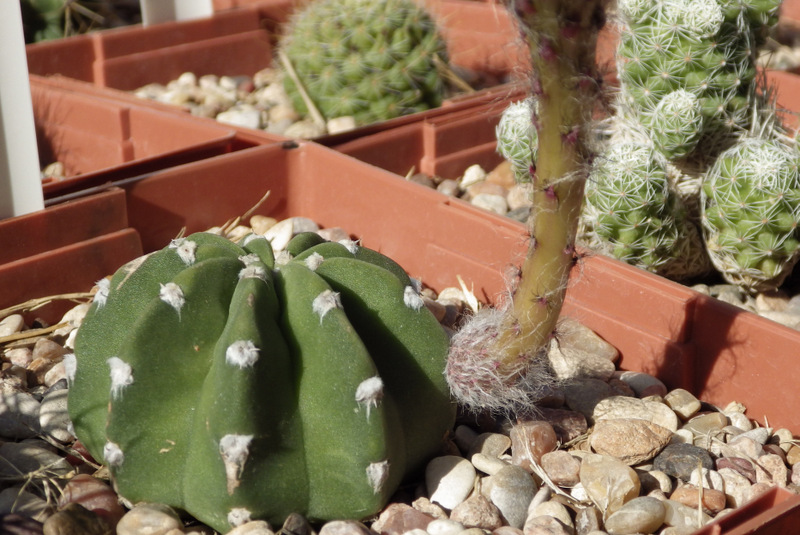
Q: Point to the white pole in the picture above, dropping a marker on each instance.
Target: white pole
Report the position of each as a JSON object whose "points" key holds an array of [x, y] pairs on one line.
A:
{"points": [[20, 180], [157, 11]]}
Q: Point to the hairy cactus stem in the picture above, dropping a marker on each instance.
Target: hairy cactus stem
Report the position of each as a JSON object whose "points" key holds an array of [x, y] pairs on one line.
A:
{"points": [[562, 35]]}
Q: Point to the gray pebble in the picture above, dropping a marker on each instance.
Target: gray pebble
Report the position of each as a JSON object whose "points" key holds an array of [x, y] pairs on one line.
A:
{"points": [[19, 415], [19, 459], [150, 518], [19, 501], [53, 416], [640, 515], [680, 460], [511, 490]]}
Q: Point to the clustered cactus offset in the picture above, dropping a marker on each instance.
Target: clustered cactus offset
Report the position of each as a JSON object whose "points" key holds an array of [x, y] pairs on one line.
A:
{"points": [[211, 378], [690, 116], [495, 360], [370, 59]]}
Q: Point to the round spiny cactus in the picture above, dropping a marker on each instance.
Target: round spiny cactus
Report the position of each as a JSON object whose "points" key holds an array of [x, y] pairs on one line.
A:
{"points": [[370, 59], [751, 201], [209, 378], [633, 214], [517, 140]]}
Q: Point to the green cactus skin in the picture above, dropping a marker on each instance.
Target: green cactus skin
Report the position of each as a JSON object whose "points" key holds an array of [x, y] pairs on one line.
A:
{"points": [[635, 216], [210, 378], [751, 200], [370, 59], [516, 138], [494, 362]]}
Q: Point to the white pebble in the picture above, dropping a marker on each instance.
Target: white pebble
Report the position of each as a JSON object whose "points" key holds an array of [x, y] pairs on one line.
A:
{"points": [[473, 175]]}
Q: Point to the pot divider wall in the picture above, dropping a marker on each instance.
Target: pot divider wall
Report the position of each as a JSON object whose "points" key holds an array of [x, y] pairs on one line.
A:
{"points": [[64, 248], [99, 139]]}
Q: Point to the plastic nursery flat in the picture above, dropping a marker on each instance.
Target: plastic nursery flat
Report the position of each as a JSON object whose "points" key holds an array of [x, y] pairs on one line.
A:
{"points": [[480, 37], [64, 248], [99, 139], [717, 351]]}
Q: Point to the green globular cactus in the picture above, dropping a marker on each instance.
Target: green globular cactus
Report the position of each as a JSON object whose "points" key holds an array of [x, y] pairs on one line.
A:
{"points": [[209, 378], [751, 200], [634, 215], [496, 360], [703, 47], [516, 138], [370, 59]]}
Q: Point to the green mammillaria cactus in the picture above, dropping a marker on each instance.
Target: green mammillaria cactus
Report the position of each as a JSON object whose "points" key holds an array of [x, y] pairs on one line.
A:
{"points": [[634, 215], [703, 47], [370, 59], [516, 138], [211, 378], [751, 200]]}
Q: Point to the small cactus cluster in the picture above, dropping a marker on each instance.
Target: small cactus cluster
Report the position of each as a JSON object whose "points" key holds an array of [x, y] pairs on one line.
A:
{"points": [[496, 360], [210, 377], [751, 200], [369, 59], [689, 104]]}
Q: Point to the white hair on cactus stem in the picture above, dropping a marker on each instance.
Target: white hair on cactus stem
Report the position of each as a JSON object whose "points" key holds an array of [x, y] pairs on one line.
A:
{"points": [[325, 302], [100, 297], [238, 516], [112, 454], [253, 272], [249, 259], [313, 261], [234, 450], [172, 295], [350, 245], [377, 474], [242, 353], [121, 375], [70, 366], [369, 393], [412, 299], [186, 250]]}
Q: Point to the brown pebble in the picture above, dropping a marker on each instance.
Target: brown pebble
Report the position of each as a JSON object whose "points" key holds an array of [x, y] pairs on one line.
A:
{"points": [[531, 440], [793, 455], [94, 495], [75, 519], [689, 495], [477, 512], [398, 518], [502, 175], [562, 468]]}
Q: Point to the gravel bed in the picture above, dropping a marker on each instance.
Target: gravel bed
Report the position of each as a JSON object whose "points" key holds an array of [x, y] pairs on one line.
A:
{"points": [[608, 451]]}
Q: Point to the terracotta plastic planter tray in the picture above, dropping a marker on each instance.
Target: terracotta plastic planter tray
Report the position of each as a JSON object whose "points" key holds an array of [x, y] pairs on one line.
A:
{"points": [[718, 352], [64, 248], [99, 139], [240, 41]]}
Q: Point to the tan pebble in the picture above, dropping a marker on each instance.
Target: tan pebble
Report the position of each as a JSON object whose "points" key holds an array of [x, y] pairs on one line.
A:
{"points": [[39, 369], [437, 309], [562, 468], [260, 223], [783, 438], [487, 464], [491, 444], [552, 508], [793, 455], [519, 196], [706, 423], [756, 490], [771, 469], [255, 527], [11, 324], [334, 234], [632, 441], [448, 187], [341, 124], [486, 188], [502, 175], [19, 356], [507, 530], [713, 500], [48, 350], [424, 505], [479, 512], [683, 402]]}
